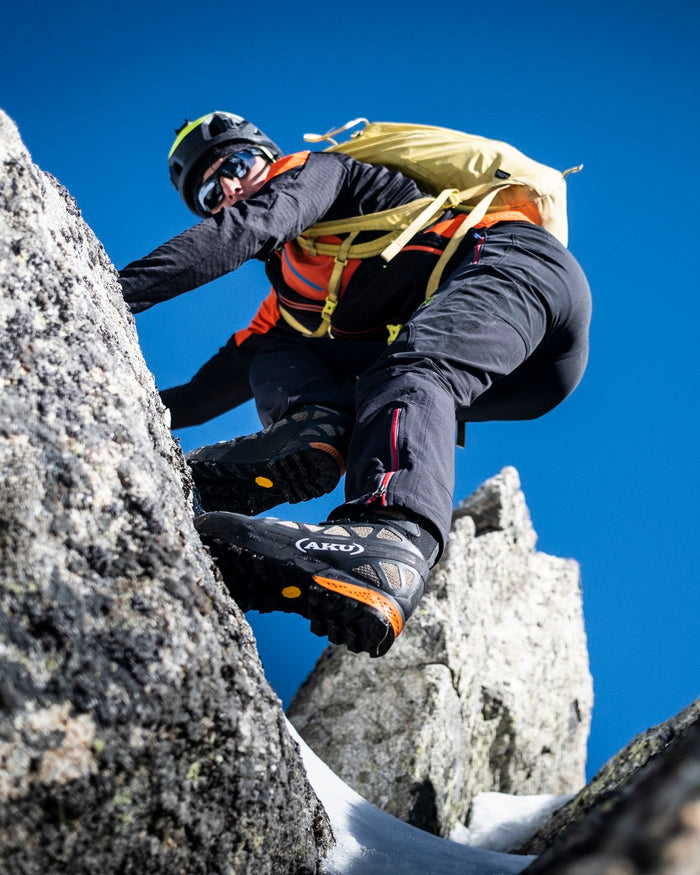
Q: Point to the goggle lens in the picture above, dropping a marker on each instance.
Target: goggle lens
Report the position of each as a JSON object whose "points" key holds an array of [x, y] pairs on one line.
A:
{"points": [[236, 166]]}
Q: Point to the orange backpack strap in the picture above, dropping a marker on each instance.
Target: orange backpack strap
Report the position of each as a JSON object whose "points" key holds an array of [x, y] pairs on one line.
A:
{"points": [[297, 159]]}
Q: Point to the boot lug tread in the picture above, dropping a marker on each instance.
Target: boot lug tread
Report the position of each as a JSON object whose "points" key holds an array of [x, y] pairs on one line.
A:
{"points": [[298, 477]]}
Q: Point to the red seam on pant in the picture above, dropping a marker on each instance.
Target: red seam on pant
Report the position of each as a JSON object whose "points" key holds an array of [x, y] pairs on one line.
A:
{"points": [[477, 249], [394, 439]]}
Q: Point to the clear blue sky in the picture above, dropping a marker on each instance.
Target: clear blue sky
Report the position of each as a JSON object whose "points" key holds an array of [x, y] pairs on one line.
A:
{"points": [[611, 477]]}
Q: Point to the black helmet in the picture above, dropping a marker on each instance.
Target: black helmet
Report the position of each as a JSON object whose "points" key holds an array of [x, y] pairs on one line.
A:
{"points": [[187, 159]]}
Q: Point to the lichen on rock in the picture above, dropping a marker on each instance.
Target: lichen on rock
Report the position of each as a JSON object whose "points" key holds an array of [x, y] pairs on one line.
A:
{"points": [[137, 729]]}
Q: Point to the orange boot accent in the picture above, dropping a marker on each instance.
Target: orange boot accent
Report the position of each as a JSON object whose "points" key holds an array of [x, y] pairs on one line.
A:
{"points": [[332, 452], [368, 596]]}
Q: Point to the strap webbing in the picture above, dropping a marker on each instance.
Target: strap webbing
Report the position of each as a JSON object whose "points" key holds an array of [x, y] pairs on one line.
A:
{"points": [[296, 325], [393, 221], [447, 198], [474, 217], [402, 223], [331, 302]]}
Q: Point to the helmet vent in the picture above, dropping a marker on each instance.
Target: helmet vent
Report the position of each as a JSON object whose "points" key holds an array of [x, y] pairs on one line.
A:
{"points": [[219, 125]]}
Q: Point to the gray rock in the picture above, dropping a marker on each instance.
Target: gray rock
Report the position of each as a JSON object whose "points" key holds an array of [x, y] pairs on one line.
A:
{"points": [[137, 730], [609, 786], [645, 821], [488, 689]]}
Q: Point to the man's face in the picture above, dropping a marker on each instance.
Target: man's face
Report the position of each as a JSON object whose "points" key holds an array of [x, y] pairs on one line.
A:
{"points": [[238, 189]]}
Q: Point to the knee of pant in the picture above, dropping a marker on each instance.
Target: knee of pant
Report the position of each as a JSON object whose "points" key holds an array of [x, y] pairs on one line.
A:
{"points": [[398, 376]]}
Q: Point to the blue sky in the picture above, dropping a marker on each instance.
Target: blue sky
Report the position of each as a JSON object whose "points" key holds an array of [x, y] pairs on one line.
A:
{"points": [[611, 477]]}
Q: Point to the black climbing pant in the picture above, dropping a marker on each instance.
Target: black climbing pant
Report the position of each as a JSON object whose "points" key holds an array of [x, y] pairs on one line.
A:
{"points": [[505, 337]]}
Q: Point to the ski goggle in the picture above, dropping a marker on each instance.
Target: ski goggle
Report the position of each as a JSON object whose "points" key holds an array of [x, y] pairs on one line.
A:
{"points": [[236, 166]]}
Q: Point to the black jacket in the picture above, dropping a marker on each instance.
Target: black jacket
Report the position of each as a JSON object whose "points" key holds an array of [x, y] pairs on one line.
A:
{"points": [[326, 187]]}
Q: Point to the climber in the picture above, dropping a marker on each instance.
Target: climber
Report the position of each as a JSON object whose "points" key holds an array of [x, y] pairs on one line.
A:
{"points": [[505, 336]]}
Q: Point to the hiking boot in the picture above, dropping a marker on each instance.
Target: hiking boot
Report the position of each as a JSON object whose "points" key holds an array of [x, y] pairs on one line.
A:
{"points": [[300, 457], [357, 582]]}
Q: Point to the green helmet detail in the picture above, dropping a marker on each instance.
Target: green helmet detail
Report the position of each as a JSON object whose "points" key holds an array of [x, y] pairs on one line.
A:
{"points": [[187, 159]]}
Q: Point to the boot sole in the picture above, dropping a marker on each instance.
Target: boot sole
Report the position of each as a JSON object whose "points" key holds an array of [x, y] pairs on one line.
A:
{"points": [[364, 619], [253, 487]]}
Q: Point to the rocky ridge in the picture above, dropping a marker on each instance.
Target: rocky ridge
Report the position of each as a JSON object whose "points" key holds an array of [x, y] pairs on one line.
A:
{"points": [[137, 730], [488, 689]]}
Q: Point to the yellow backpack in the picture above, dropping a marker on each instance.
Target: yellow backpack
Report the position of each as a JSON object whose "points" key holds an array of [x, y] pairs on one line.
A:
{"points": [[456, 171]]}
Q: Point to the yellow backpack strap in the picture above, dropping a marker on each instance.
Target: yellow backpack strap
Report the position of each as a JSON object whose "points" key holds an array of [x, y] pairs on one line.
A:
{"points": [[474, 217], [393, 221], [296, 325], [332, 296], [450, 197], [340, 263], [328, 136], [393, 330]]}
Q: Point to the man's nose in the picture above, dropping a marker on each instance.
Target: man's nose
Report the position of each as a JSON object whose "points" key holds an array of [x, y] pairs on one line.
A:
{"points": [[231, 186]]}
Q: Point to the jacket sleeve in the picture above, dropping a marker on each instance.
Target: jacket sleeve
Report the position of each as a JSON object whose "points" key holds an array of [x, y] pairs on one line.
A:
{"points": [[254, 228]]}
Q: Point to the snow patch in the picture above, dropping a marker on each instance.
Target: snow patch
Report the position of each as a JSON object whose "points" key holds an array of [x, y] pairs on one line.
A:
{"points": [[500, 822], [371, 842]]}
